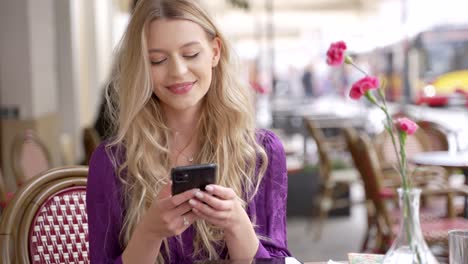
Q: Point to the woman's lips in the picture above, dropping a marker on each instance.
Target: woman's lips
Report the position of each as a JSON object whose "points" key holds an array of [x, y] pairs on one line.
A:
{"points": [[181, 88]]}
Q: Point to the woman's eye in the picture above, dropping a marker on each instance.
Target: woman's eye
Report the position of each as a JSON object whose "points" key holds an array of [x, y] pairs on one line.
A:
{"points": [[157, 62], [192, 55]]}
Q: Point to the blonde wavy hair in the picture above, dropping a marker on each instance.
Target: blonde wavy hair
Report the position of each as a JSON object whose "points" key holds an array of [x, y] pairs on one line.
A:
{"points": [[139, 148]]}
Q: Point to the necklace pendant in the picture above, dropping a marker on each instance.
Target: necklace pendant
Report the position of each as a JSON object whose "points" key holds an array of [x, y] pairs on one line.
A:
{"points": [[190, 159]]}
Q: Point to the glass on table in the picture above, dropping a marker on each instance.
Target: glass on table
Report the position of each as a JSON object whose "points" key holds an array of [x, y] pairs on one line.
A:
{"points": [[458, 246]]}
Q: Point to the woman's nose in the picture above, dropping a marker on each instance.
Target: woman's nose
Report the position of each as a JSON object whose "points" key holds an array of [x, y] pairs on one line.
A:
{"points": [[178, 67]]}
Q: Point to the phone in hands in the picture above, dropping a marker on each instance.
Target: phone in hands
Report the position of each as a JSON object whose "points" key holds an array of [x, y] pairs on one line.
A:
{"points": [[193, 176]]}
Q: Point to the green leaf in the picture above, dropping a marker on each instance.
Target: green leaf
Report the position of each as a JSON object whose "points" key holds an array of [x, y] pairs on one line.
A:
{"points": [[348, 59], [370, 97]]}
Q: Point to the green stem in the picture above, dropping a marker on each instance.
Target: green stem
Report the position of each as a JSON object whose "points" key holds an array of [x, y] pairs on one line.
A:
{"points": [[358, 68], [390, 129], [402, 139], [407, 216], [408, 222]]}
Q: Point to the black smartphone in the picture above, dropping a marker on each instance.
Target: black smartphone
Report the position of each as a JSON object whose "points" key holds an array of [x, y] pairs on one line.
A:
{"points": [[194, 176]]}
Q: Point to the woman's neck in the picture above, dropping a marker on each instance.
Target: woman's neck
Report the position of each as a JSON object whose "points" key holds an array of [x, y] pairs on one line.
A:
{"points": [[183, 122], [182, 141], [184, 125]]}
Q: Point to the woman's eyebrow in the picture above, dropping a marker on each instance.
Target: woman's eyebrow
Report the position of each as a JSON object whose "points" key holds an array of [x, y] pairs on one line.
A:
{"points": [[183, 46]]}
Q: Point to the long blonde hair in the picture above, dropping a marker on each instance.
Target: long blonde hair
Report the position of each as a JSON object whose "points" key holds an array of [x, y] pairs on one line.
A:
{"points": [[140, 146]]}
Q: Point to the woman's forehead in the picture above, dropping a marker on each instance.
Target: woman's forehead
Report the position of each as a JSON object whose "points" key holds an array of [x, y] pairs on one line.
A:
{"points": [[174, 33]]}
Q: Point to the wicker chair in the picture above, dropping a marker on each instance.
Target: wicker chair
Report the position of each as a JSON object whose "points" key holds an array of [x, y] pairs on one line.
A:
{"points": [[438, 138], [435, 230], [29, 155], [46, 221], [332, 183], [430, 137], [419, 142]]}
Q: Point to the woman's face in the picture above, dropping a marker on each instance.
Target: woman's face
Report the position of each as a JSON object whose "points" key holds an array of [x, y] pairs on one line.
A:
{"points": [[182, 57]]}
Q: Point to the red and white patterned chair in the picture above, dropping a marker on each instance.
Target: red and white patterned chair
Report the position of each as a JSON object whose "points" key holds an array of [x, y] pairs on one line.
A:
{"points": [[46, 222]]}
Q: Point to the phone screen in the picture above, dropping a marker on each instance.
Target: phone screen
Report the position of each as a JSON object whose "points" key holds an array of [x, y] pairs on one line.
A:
{"points": [[194, 176]]}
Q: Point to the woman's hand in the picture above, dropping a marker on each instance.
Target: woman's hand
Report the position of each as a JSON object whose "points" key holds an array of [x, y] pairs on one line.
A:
{"points": [[221, 207], [169, 215]]}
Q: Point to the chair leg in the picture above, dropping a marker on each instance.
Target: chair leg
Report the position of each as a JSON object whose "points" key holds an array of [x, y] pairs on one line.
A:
{"points": [[451, 213], [371, 226], [365, 243], [367, 235], [325, 205]]}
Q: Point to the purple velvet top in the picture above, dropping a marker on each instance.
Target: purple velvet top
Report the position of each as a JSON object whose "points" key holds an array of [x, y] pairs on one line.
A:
{"points": [[105, 209]]}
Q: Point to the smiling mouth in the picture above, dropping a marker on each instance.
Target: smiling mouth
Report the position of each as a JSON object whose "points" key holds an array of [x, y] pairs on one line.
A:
{"points": [[181, 88]]}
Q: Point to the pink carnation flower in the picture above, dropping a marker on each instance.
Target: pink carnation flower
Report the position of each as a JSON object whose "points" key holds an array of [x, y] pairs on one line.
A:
{"points": [[360, 87], [336, 53], [406, 125]]}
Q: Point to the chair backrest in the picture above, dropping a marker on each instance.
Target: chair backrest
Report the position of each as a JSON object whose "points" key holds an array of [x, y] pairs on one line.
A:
{"points": [[319, 138], [366, 160], [436, 134], [417, 143], [46, 222], [91, 141], [29, 156], [350, 135]]}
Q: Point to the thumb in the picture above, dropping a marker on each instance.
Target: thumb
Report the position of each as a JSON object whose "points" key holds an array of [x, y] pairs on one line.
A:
{"points": [[166, 191]]}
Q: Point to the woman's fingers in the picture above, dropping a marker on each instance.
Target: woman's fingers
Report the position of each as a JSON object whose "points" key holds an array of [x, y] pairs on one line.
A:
{"points": [[165, 191], [212, 201], [220, 191], [176, 200], [208, 210], [210, 219], [181, 210], [187, 219]]}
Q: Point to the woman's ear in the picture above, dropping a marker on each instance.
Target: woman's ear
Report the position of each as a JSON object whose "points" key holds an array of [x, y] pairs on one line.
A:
{"points": [[216, 45]]}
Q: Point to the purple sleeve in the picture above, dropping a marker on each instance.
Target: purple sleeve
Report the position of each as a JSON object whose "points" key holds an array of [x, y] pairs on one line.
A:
{"points": [[104, 210], [268, 207]]}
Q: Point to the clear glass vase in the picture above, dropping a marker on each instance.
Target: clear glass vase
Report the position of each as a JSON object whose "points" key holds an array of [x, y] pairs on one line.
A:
{"points": [[409, 245]]}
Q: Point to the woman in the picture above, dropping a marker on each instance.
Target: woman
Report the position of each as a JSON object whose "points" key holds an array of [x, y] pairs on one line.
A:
{"points": [[179, 102]]}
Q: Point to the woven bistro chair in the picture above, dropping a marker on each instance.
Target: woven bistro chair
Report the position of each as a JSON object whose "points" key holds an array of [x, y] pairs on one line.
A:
{"points": [[46, 221], [29, 156], [429, 137], [434, 229], [332, 183]]}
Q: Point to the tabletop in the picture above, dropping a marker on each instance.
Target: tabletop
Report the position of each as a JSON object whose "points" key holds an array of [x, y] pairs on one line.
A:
{"points": [[446, 159]]}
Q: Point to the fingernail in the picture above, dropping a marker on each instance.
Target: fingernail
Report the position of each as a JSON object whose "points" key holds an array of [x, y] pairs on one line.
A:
{"points": [[192, 202], [199, 195], [209, 188]]}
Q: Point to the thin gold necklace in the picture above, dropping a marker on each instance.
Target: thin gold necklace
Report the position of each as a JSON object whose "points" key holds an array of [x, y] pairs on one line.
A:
{"points": [[180, 152]]}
